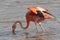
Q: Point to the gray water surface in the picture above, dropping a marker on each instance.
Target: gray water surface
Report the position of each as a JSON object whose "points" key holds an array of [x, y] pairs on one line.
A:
{"points": [[13, 10]]}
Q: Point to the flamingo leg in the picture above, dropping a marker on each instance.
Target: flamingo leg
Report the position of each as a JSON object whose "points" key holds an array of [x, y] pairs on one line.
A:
{"points": [[36, 27], [43, 30]]}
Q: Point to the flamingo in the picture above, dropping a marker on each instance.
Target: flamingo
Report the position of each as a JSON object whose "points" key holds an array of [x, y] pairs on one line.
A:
{"points": [[36, 15]]}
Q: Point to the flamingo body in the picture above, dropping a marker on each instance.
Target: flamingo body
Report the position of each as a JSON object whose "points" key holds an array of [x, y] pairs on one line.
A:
{"points": [[35, 14]]}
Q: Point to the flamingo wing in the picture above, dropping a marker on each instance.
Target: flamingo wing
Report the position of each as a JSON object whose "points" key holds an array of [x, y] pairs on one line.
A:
{"points": [[33, 9], [40, 14]]}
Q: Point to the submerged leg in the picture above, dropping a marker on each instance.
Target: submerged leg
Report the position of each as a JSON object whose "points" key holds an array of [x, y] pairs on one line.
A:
{"points": [[43, 30]]}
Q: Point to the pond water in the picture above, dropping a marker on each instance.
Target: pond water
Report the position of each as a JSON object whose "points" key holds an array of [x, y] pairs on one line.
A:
{"points": [[13, 10]]}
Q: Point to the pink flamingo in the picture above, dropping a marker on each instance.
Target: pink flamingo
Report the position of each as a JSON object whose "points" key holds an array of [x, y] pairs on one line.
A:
{"points": [[36, 15]]}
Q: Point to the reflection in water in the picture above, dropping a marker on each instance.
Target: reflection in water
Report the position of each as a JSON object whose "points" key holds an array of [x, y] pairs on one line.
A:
{"points": [[32, 36], [43, 36], [28, 35]]}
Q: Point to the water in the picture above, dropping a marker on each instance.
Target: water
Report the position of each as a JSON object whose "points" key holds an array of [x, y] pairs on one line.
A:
{"points": [[13, 10]]}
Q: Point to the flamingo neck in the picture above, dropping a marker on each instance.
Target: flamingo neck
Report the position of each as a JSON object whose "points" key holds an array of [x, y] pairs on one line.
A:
{"points": [[14, 26], [27, 24]]}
